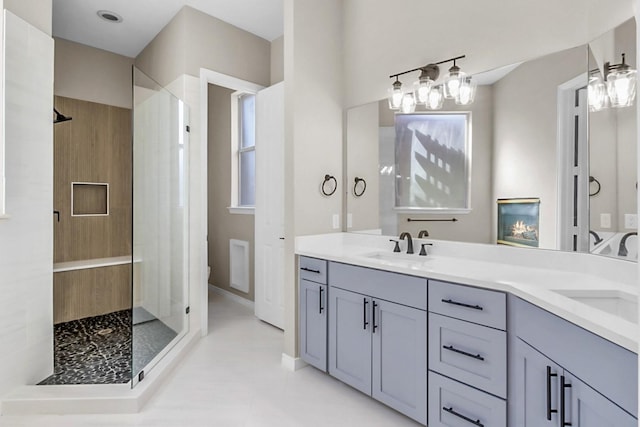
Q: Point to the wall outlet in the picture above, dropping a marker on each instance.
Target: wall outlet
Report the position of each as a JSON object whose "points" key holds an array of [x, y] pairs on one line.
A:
{"points": [[349, 220], [631, 221], [336, 221], [605, 220]]}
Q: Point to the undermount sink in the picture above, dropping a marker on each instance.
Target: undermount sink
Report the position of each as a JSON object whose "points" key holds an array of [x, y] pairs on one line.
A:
{"points": [[397, 258], [618, 303]]}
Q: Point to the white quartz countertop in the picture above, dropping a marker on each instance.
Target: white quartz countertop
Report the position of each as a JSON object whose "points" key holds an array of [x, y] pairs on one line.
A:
{"points": [[542, 277]]}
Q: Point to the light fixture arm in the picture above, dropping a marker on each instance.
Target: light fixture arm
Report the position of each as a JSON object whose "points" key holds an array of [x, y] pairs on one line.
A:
{"points": [[427, 66], [608, 68]]}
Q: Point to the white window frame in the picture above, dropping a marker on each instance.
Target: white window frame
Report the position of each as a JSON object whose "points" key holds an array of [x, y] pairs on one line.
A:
{"points": [[236, 151]]}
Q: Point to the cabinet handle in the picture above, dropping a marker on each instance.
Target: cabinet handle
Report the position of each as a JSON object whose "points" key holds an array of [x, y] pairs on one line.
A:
{"points": [[373, 320], [464, 353], [310, 270], [549, 410], [320, 300], [364, 314], [449, 301], [563, 385], [459, 415]]}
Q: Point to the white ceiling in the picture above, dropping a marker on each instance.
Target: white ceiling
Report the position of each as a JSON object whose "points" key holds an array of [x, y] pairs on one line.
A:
{"points": [[77, 20]]}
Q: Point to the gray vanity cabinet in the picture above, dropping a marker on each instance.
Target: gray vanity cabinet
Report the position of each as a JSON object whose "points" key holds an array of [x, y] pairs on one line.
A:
{"points": [[350, 339], [313, 300], [535, 398], [313, 324], [379, 346], [558, 369]]}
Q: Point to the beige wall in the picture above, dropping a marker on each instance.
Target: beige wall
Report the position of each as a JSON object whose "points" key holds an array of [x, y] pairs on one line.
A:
{"points": [[277, 60], [90, 74], [313, 130], [222, 224], [36, 12], [194, 40], [528, 131]]}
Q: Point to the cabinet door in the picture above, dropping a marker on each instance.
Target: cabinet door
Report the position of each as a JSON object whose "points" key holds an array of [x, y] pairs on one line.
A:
{"points": [[400, 358], [350, 338], [313, 324], [587, 408], [535, 400]]}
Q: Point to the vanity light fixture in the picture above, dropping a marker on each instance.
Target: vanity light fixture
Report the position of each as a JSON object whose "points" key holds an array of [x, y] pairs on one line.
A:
{"points": [[426, 92], [466, 92], [617, 89], [621, 83], [395, 95], [453, 81]]}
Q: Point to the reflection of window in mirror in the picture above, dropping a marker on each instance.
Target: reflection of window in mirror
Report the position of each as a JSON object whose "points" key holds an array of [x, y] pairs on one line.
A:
{"points": [[432, 160]]}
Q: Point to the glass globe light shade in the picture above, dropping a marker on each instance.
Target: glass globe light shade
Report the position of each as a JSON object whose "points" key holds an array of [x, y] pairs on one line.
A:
{"points": [[453, 81], [436, 98], [621, 87], [395, 94], [421, 89], [408, 103], [466, 92], [596, 94]]}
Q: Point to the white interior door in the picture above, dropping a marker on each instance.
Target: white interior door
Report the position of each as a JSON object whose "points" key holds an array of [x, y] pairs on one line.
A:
{"points": [[269, 211]]}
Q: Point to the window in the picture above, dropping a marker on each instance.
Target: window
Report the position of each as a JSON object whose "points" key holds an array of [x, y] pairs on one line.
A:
{"points": [[433, 157], [243, 140]]}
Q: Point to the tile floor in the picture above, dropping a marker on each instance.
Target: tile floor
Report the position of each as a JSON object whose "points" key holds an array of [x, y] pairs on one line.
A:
{"points": [[233, 377]]}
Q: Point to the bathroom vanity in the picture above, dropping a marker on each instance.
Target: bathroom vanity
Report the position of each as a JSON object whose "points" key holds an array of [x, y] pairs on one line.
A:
{"points": [[473, 334]]}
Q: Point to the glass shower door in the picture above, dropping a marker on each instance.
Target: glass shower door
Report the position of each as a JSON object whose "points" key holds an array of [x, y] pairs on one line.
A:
{"points": [[160, 223]]}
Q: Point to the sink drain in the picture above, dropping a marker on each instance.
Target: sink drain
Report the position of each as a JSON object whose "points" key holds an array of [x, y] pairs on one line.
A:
{"points": [[105, 331]]}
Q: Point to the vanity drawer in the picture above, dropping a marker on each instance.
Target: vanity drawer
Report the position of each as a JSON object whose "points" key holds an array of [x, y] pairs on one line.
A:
{"points": [[453, 404], [399, 288], [473, 354], [467, 303], [313, 269]]}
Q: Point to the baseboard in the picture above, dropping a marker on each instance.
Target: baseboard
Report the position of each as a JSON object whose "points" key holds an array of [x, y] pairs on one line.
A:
{"points": [[292, 363], [232, 296]]}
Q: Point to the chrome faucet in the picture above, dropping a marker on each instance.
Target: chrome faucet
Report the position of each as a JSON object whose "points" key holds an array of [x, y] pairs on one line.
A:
{"points": [[423, 233], [409, 241], [622, 250]]}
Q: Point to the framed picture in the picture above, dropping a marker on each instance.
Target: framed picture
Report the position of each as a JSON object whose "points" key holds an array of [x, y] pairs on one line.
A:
{"points": [[519, 222]]}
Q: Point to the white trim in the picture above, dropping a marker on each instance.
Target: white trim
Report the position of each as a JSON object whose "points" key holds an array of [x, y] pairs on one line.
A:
{"points": [[243, 210], [230, 295], [292, 363], [210, 77], [5, 216]]}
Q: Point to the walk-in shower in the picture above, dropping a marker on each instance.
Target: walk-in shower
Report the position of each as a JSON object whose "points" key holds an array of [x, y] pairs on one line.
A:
{"points": [[120, 237]]}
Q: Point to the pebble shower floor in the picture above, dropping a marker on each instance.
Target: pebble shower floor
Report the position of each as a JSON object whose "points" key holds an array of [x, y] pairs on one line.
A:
{"points": [[98, 350]]}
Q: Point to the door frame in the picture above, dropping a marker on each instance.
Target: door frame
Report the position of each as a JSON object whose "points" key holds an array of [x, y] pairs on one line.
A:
{"points": [[219, 79]]}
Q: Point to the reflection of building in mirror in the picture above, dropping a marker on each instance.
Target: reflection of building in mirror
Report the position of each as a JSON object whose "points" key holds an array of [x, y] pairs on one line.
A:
{"points": [[432, 157]]}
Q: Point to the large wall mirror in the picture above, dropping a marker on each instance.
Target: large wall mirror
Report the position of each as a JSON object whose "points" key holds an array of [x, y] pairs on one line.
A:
{"points": [[542, 164]]}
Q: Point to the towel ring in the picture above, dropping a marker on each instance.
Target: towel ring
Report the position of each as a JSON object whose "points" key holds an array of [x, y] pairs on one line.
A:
{"points": [[592, 179], [359, 180], [329, 178]]}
